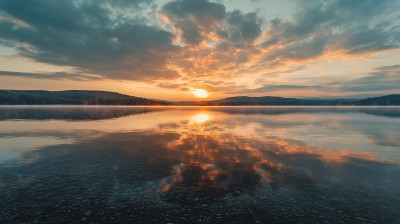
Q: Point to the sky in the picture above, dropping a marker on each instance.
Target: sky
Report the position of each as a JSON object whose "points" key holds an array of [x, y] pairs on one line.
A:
{"points": [[167, 49]]}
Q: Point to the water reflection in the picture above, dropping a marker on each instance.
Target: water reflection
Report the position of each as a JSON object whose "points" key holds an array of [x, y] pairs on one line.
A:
{"points": [[108, 112], [201, 165], [72, 113], [201, 118]]}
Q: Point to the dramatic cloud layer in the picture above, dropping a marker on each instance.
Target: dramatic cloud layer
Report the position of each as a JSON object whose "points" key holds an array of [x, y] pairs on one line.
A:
{"points": [[185, 44]]}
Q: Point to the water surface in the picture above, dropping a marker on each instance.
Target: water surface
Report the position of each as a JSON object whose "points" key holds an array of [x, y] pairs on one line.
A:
{"points": [[199, 164]]}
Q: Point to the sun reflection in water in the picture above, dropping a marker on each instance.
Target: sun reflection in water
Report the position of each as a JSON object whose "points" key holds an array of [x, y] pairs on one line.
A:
{"points": [[200, 118]]}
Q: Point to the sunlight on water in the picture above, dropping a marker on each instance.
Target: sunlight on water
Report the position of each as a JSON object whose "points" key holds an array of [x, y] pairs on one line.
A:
{"points": [[201, 118], [226, 164]]}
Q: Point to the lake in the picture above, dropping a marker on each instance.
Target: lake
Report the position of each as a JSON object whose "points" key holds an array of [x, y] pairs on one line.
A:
{"points": [[199, 164]]}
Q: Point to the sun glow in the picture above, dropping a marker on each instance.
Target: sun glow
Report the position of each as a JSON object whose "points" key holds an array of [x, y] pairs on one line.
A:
{"points": [[200, 93]]}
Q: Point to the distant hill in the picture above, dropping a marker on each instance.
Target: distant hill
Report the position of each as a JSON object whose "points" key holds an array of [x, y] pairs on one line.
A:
{"points": [[272, 101], [85, 97], [393, 99], [388, 100], [265, 100], [70, 97], [260, 100]]}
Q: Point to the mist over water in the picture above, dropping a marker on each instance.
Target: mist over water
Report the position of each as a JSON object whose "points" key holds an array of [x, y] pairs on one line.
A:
{"points": [[200, 164]]}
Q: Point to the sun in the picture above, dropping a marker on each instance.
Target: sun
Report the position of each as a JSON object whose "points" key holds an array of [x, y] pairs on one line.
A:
{"points": [[200, 93]]}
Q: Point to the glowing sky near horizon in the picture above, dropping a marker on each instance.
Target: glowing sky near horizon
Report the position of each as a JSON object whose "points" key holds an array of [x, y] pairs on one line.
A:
{"points": [[167, 48]]}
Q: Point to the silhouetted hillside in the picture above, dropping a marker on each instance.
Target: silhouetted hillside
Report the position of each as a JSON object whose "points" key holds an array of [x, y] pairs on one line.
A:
{"points": [[393, 99], [269, 100], [70, 97], [84, 97]]}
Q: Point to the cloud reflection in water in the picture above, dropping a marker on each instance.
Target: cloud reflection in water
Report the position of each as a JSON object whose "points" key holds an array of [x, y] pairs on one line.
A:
{"points": [[173, 159]]}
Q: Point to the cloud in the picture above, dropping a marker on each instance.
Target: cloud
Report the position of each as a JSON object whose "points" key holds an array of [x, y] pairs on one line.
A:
{"points": [[195, 19], [185, 43], [319, 28], [242, 27], [89, 35], [201, 21], [168, 85], [301, 50], [270, 88], [74, 76], [363, 39], [216, 44], [379, 79]]}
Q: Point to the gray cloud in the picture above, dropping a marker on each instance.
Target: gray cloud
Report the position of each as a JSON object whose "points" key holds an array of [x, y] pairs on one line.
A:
{"points": [[168, 85], [75, 76], [242, 27], [319, 27], [300, 50], [363, 39], [390, 69], [90, 35], [271, 88], [195, 18], [198, 19], [312, 17], [380, 79]]}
